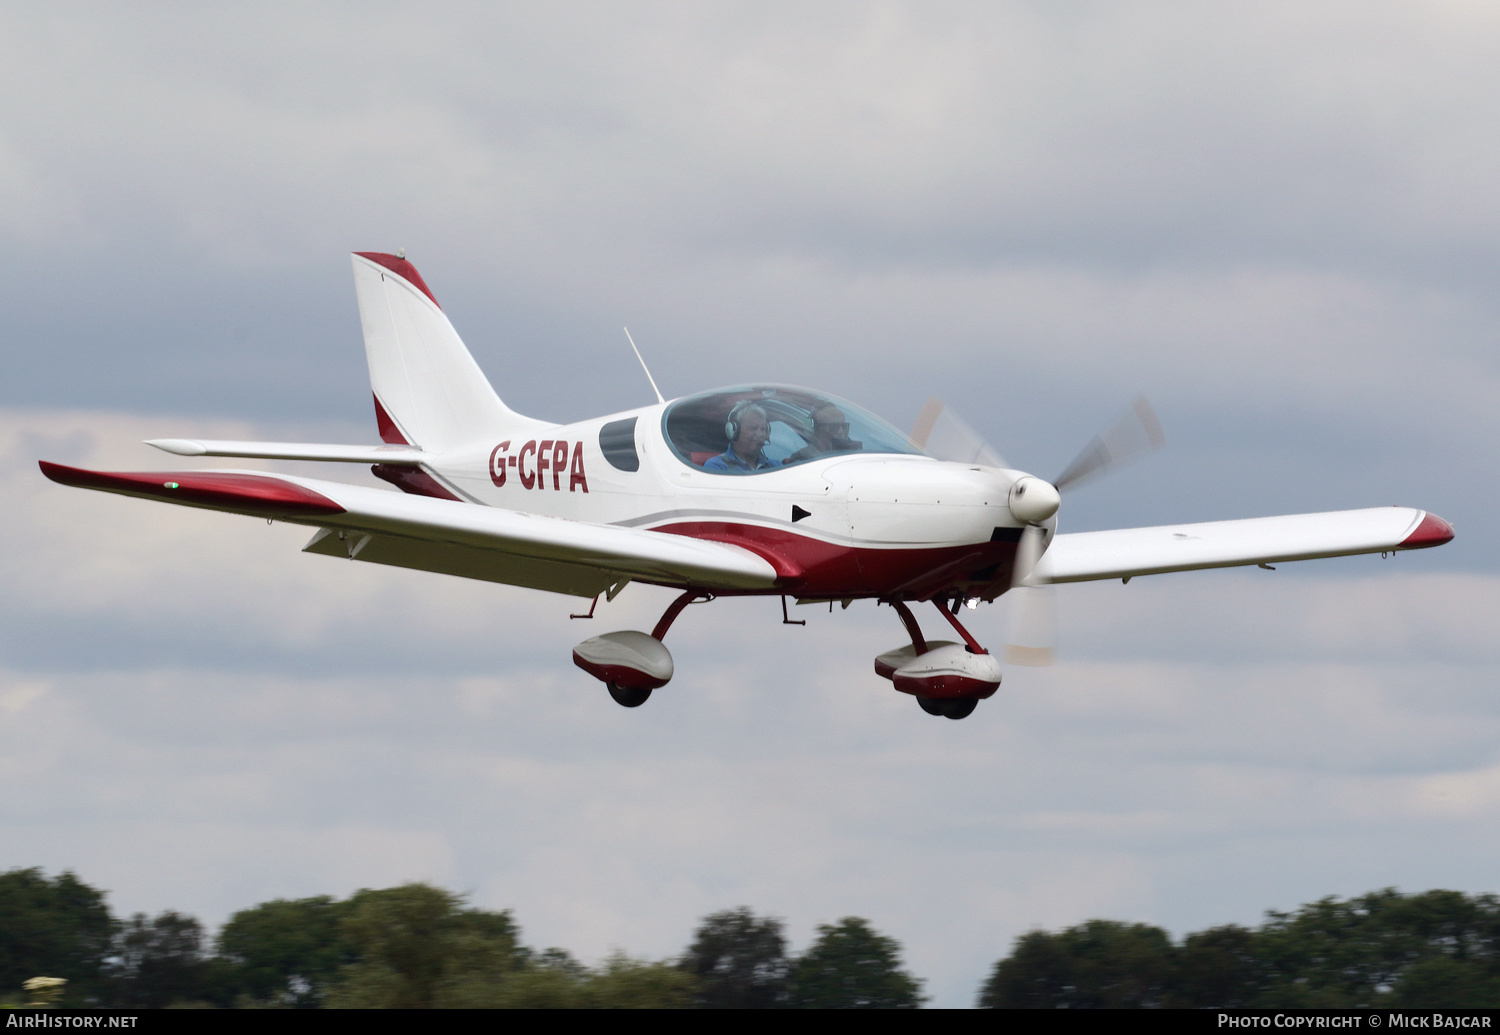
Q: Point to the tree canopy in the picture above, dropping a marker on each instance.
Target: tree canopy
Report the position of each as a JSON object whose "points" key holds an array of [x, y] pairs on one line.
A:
{"points": [[852, 967], [286, 952], [57, 927], [158, 962], [739, 960], [1383, 949]]}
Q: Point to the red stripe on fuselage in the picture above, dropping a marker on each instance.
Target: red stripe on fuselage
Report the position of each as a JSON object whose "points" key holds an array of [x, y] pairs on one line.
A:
{"points": [[814, 568], [263, 495]]}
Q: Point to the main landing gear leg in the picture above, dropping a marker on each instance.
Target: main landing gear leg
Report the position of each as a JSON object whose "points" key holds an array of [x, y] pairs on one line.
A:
{"points": [[918, 643], [673, 610], [973, 644]]}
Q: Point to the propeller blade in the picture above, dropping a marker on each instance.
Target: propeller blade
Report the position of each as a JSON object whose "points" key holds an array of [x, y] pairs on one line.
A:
{"points": [[945, 435], [1034, 611], [1033, 628], [1028, 556], [1137, 431]]}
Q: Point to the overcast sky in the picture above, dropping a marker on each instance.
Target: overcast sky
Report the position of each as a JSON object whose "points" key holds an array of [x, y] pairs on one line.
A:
{"points": [[1279, 221]]}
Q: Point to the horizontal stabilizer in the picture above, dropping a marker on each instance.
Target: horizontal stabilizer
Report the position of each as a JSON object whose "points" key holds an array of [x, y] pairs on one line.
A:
{"points": [[291, 451], [355, 509], [1127, 552]]}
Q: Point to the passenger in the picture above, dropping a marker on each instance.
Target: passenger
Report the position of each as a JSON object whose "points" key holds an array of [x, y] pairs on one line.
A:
{"points": [[830, 435], [748, 430]]}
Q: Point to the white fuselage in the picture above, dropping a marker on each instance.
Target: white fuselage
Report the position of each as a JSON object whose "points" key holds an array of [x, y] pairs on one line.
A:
{"points": [[849, 524]]}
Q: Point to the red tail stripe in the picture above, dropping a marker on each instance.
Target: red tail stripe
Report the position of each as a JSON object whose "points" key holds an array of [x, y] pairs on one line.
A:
{"points": [[401, 268], [389, 433]]}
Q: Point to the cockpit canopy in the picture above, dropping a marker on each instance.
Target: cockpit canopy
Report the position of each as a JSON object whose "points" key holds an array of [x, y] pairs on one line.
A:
{"points": [[802, 425]]}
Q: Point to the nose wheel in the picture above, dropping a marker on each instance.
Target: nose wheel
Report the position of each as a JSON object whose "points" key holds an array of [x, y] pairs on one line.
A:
{"points": [[955, 708]]}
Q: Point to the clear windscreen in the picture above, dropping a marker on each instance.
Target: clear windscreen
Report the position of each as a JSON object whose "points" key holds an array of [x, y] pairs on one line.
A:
{"points": [[755, 429]]}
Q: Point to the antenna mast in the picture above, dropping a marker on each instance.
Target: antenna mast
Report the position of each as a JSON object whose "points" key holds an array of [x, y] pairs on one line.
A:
{"points": [[643, 366]]}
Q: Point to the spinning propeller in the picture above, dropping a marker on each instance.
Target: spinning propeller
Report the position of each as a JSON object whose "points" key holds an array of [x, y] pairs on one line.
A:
{"points": [[1034, 501]]}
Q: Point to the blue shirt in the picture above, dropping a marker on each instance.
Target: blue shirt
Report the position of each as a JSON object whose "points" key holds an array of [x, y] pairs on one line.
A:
{"points": [[729, 462]]}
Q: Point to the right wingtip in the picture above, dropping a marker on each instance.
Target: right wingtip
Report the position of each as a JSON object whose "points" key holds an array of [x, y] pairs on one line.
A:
{"points": [[1431, 531]]}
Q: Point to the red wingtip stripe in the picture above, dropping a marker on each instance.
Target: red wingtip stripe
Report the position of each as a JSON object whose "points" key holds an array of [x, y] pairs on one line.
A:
{"points": [[401, 268], [262, 495], [1433, 531]]}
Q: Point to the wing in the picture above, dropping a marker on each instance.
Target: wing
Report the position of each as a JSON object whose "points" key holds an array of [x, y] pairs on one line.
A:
{"points": [[1127, 552], [445, 535]]}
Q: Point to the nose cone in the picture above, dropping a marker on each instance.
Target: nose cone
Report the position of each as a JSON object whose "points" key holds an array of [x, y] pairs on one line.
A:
{"points": [[1032, 500], [1430, 531]]}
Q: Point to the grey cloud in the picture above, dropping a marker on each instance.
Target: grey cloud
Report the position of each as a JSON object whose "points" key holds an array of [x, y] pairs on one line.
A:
{"points": [[886, 135]]}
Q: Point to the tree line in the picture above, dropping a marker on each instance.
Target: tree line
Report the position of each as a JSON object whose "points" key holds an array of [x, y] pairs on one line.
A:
{"points": [[420, 946], [1431, 950], [414, 946]]}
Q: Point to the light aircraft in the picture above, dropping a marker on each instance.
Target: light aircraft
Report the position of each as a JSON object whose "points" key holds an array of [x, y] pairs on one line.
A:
{"points": [[758, 489]]}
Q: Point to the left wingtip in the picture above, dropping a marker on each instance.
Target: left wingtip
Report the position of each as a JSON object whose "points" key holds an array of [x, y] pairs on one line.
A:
{"points": [[1430, 531], [56, 472], [239, 492]]}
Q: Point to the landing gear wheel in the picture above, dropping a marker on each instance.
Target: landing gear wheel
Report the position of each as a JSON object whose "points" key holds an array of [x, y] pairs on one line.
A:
{"points": [[627, 697], [932, 707], [961, 708]]}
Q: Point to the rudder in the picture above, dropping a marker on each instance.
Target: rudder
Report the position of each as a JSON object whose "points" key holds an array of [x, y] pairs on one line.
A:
{"points": [[429, 392]]}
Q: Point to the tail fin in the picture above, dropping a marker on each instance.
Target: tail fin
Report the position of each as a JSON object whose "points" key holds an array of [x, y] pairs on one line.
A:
{"points": [[429, 392]]}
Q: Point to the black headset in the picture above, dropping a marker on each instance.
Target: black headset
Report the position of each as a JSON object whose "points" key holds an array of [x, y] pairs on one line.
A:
{"points": [[732, 425]]}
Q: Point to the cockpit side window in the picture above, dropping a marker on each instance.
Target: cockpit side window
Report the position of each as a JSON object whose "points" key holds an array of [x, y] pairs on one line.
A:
{"points": [[617, 443], [761, 428]]}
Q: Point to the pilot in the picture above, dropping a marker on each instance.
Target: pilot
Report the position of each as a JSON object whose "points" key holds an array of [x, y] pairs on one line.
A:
{"points": [[830, 435], [748, 430]]}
